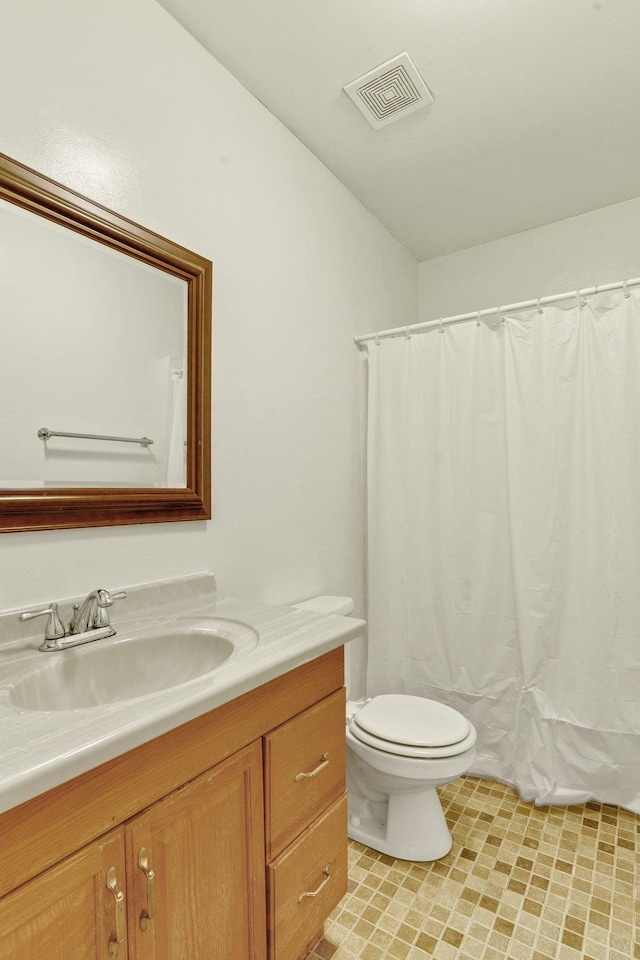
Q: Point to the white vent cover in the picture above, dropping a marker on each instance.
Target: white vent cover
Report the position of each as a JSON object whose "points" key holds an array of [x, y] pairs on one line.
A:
{"points": [[390, 91]]}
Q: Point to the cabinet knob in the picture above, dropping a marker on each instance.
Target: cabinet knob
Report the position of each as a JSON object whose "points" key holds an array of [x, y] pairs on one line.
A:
{"points": [[118, 896], [314, 773], [150, 910], [314, 893]]}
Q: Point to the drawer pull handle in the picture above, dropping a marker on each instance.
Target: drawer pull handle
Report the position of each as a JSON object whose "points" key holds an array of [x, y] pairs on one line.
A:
{"points": [[314, 773], [150, 911], [314, 893], [118, 896]]}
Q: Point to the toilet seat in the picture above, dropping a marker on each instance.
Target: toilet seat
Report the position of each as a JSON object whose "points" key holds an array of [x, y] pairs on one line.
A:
{"points": [[410, 726]]}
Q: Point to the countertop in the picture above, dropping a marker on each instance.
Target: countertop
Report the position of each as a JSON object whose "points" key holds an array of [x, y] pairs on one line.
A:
{"points": [[40, 749]]}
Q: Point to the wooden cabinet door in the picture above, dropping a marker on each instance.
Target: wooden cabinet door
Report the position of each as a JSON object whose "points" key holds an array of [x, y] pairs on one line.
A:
{"points": [[74, 911], [195, 863]]}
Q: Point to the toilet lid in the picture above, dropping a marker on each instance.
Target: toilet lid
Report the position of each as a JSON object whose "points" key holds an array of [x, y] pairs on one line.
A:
{"points": [[413, 721]]}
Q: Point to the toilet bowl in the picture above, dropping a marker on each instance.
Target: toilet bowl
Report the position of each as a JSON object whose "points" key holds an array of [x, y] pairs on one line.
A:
{"points": [[400, 748]]}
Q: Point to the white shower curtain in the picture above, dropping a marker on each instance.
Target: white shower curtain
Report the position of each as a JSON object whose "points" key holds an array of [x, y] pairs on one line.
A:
{"points": [[504, 539], [176, 459]]}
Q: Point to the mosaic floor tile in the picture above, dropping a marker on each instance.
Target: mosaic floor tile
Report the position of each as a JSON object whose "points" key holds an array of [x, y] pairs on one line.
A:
{"points": [[520, 883]]}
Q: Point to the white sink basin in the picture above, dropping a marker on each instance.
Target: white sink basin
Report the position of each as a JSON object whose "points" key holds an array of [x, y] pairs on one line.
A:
{"points": [[133, 665]]}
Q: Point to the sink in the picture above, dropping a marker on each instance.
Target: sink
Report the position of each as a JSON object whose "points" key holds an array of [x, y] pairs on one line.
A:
{"points": [[133, 665]]}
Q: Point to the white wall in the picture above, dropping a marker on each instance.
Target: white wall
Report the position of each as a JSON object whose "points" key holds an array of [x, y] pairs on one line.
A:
{"points": [[594, 248], [114, 99]]}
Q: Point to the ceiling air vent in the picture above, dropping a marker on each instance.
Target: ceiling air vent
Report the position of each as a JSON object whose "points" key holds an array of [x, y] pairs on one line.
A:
{"points": [[389, 92]]}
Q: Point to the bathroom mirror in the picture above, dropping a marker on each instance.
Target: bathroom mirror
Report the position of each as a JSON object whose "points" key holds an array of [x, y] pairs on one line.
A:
{"points": [[105, 364]]}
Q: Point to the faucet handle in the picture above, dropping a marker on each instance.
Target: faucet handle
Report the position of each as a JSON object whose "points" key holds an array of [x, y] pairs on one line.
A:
{"points": [[101, 618], [54, 629], [104, 598]]}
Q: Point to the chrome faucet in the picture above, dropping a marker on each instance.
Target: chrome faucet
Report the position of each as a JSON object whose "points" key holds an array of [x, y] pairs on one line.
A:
{"points": [[90, 621]]}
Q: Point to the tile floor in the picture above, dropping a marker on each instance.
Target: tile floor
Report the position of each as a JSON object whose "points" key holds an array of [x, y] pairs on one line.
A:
{"points": [[521, 883]]}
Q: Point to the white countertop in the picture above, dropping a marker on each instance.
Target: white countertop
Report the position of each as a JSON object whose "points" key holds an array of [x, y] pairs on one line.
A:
{"points": [[41, 749]]}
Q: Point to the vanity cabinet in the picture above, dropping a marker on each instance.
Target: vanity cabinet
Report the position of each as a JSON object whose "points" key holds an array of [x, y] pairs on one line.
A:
{"points": [[225, 837]]}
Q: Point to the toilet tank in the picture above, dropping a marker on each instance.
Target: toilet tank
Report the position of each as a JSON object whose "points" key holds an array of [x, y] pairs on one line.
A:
{"points": [[341, 606]]}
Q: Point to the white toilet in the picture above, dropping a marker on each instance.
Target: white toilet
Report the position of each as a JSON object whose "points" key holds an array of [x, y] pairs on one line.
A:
{"points": [[399, 750]]}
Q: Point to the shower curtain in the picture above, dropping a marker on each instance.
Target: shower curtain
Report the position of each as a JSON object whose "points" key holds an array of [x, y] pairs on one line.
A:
{"points": [[176, 459], [504, 539]]}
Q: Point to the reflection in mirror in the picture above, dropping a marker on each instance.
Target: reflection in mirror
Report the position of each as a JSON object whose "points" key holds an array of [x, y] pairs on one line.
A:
{"points": [[95, 347], [104, 335]]}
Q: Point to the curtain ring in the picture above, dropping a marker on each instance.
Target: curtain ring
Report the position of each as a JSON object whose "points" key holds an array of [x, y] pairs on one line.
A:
{"points": [[377, 338], [500, 314], [540, 307], [625, 290], [440, 322], [478, 319], [407, 334]]}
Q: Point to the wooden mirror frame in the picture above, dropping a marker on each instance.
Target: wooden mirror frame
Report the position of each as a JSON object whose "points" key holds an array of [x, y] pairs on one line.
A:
{"points": [[51, 509]]}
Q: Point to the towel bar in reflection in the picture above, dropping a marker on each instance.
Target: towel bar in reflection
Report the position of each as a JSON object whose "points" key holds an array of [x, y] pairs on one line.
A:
{"points": [[45, 434]]}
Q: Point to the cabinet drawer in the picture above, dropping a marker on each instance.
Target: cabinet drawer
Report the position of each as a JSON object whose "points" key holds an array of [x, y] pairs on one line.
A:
{"points": [[305, 770], [306, 882]]}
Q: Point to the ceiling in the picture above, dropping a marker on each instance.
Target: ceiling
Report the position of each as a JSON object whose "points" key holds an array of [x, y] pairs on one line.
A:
{"points": [[535, 116]]}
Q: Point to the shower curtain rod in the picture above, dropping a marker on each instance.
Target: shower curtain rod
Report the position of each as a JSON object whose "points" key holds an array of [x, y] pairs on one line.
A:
{"points": [[493, 311]]}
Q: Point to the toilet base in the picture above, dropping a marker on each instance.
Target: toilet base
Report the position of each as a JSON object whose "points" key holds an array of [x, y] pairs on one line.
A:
{"points": [[412, 827]]}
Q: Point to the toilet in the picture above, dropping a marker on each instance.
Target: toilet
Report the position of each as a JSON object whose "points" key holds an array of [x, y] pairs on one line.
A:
{"points": [[400, 748]]}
